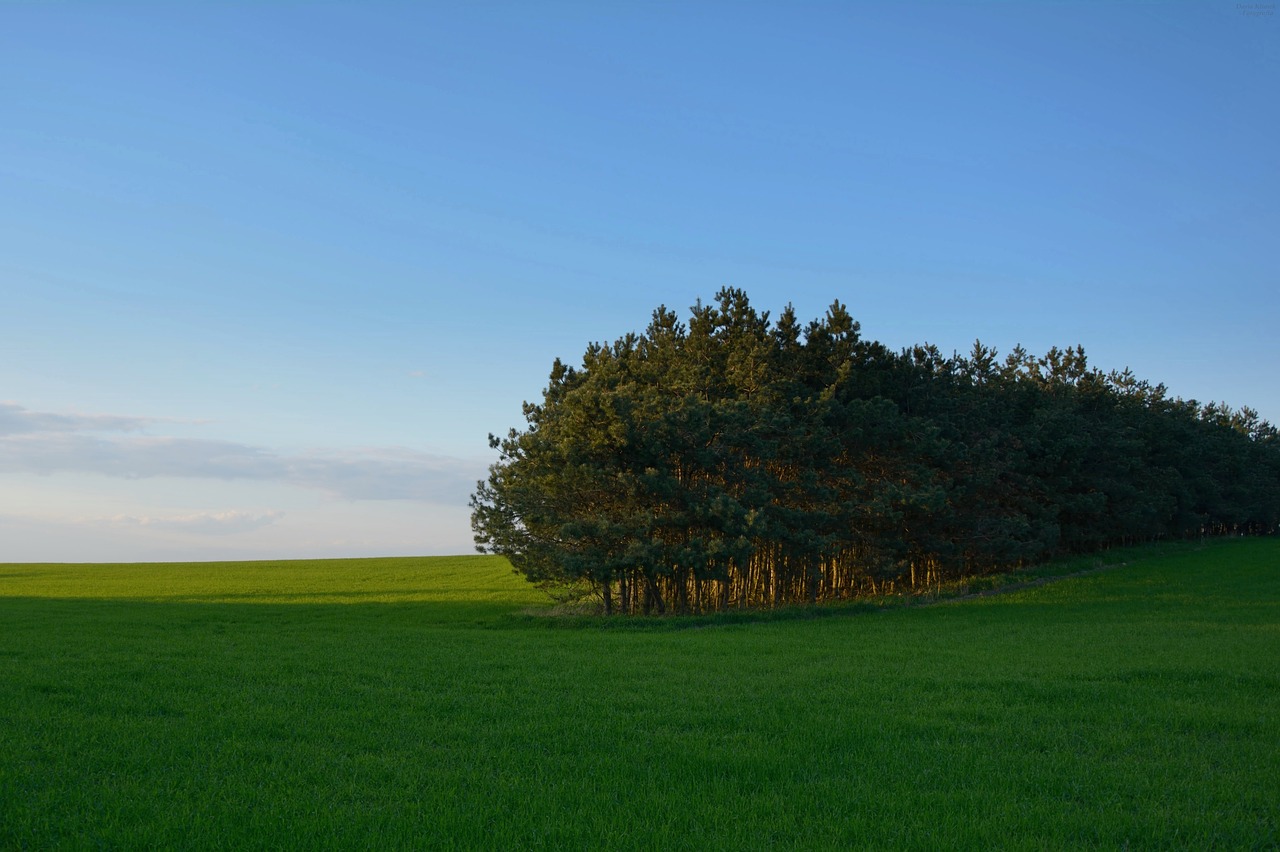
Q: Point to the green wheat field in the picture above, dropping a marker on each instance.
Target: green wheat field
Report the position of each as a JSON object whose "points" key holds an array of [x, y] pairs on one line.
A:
{"points": [[432, 703]]}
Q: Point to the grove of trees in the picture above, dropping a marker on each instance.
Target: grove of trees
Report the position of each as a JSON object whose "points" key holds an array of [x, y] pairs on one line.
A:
{"points": [[735, 461]]}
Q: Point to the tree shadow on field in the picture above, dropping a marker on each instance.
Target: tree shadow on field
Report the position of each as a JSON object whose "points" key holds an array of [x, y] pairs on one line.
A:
{"points": [[406, 596], [264, 609]]}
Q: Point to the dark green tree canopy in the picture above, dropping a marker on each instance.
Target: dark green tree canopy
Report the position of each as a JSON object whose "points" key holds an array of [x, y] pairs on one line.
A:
{"points": [[738, 461]]}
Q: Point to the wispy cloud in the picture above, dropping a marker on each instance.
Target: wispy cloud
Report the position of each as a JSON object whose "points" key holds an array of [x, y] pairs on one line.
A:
{"points": [[202, 523], [383, 474], [44, 443], [16, 420]]}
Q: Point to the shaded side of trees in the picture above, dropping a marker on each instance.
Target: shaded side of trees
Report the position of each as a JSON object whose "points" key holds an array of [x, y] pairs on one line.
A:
{"points": [[739, 461]]}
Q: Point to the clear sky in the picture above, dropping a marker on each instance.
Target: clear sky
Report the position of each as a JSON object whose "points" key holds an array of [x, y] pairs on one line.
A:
{"points": [[270, 273]]}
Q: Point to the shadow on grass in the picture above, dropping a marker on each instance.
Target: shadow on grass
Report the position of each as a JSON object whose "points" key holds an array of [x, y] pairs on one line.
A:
{"points": [[262, 610]]}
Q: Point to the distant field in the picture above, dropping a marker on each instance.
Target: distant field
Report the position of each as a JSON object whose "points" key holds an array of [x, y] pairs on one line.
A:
{"points": [[413, 702]]}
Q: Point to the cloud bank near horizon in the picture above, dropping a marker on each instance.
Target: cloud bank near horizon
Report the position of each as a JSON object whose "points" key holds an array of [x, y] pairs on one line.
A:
{"points": [[48, 443]]}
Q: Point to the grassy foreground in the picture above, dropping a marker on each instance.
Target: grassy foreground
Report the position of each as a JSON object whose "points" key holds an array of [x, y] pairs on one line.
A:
{"points": [[410, 703]]}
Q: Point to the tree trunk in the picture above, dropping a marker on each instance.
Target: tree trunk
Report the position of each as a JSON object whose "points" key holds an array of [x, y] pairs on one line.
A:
{"points": [[655, 596]]}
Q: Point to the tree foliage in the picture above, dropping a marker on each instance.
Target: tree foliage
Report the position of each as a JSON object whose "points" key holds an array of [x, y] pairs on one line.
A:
{"points": [[736, 461]]}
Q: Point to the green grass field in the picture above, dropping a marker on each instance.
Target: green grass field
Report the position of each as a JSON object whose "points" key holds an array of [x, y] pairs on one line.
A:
{"points": [[414, 703]]}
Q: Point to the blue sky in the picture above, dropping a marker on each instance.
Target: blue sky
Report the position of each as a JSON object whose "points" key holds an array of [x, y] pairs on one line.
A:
{"points": [[269, 274]]}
